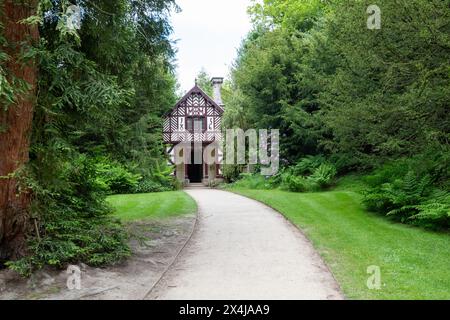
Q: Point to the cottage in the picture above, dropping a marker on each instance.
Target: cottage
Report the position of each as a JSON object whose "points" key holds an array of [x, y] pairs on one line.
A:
{"points": [[196, 121]]}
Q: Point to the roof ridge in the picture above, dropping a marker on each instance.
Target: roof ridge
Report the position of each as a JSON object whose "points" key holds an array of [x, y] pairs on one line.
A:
{"points": [[197, 89]]}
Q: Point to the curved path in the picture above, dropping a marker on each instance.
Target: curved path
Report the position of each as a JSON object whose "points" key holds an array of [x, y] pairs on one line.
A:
{"points": [[241, 249]]}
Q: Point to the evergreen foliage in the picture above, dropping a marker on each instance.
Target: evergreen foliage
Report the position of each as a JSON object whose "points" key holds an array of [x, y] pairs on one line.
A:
{"points": [[360, 98], [97, 129]]}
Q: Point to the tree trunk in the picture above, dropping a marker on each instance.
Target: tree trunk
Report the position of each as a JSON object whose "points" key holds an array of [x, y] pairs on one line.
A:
{"points": [[15, 124]]}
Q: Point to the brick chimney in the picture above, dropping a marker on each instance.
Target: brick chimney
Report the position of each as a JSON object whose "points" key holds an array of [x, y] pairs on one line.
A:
{"points": [[217, 87]]}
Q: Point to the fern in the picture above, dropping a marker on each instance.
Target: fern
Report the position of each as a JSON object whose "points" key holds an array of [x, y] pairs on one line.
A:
{"points": [[324, 175], [411, 199], [294, 184], [436, 210], [308, 165]]}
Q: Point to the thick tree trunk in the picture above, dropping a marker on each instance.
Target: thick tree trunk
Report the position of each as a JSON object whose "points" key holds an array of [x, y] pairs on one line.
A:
{"points": [[16, 122]]}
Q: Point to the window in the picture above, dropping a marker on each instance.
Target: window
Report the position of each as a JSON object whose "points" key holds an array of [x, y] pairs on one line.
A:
{"points": [[195, 124], [198, 124]]}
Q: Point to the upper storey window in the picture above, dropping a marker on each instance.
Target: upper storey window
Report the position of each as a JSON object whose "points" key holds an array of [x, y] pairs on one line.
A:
{"points": [[195, 124]]}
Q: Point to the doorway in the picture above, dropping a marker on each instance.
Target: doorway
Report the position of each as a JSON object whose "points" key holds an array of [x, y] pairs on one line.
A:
{"points": [[195, 171]]}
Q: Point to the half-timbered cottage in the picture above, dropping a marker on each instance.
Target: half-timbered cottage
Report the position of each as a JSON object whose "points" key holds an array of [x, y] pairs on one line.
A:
{"points": [[195, 120]]}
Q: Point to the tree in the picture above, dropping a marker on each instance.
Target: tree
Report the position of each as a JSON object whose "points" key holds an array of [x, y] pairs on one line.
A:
{"points": [[15, 123], [272, 91], [102, 91], [204, 82], [362, 98], [314, 70], [388, 96]]}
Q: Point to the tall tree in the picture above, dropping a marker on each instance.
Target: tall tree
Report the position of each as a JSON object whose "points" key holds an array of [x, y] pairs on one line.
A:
{"points": [[102, 90], [15, 124], [204, 82]]}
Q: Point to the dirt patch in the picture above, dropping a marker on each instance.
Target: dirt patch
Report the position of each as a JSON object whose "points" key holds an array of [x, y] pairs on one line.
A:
{"points": [[154, 245]]}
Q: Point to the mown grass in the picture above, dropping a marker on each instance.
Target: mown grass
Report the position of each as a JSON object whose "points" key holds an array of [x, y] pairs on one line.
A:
{"points": [[152, 205], [415, 263]]}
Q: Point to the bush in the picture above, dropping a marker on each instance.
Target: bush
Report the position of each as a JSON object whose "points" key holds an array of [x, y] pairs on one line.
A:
{"points": [[324, 175], [231, 172], [435, 212], [294, 183], [310, 174], [149, 186], [348, 163], [162, 175], [408, 190], [115, 177], [316, 175], [158, 179], [73, 222], [308, 165], [253, 181]]}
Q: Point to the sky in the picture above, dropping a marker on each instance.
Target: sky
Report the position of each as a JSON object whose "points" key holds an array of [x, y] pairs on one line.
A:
{"points": [[208, 34]]}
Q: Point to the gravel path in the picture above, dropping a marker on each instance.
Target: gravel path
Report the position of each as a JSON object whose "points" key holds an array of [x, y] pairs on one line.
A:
{"points": [[242, 249]]}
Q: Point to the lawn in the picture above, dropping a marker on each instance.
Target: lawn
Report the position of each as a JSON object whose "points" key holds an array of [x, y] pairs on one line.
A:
{"points": [[152, 205], [414, 263]]}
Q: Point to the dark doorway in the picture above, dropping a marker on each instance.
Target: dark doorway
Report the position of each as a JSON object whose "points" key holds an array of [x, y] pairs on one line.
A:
{"points": [[195, 171]]}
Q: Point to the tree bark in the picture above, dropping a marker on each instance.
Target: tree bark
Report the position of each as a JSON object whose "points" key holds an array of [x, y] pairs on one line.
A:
{"points": [[16, 123]]}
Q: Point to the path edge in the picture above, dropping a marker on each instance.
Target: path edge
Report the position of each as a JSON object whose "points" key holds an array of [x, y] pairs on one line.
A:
{"points": [[175, 259]]}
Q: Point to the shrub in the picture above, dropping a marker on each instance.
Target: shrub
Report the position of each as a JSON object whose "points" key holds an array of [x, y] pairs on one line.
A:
{"points": [[407, 190], [324, 175], [294, 183], [348, 163], [253, 181], [162, 174], [310, 174], [115, 177], [159, 178], [434, 212], [149, 186], [308, 165], [401, 193], [73, 222], [231, 172]]}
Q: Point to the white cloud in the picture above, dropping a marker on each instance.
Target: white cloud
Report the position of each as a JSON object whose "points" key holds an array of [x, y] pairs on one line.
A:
{"points": [[208, 32]]}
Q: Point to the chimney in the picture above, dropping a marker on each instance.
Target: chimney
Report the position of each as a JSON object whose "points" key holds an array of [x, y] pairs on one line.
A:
{"points": [[217, 87]]}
